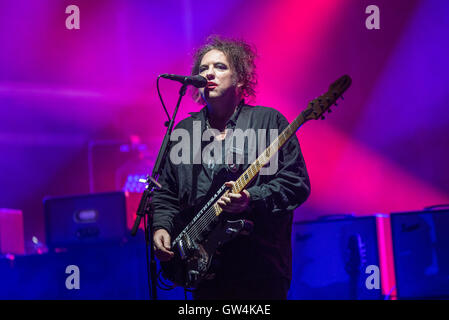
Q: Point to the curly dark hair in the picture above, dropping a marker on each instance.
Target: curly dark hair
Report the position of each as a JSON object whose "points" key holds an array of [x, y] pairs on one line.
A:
{"points": [[241, 57]]}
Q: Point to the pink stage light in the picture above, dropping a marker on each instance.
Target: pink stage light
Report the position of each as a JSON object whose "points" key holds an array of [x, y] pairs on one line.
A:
{"points": [[349, 177]]}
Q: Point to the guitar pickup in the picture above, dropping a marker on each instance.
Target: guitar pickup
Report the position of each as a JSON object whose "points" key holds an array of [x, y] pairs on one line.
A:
{"points": [[181, 249]]}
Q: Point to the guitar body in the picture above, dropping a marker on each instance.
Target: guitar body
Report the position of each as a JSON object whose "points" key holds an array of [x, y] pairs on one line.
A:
{"points": [[195, 246]]}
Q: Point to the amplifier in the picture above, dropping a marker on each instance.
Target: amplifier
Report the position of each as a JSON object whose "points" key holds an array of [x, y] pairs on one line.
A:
{"points": [[336, 259], [421, 254], [85, 219]]}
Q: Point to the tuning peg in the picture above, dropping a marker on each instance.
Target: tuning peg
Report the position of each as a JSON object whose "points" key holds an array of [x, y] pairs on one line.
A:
{"points": [[329, 111], [335, 104], [322, 117]]}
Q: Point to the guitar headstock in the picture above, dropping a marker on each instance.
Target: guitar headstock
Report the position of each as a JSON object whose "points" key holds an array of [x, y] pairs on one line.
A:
{"points": [[317, 107]]}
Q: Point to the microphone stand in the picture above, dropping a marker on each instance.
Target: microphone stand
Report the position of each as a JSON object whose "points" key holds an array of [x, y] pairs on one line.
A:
{"points": [[146, 209]]}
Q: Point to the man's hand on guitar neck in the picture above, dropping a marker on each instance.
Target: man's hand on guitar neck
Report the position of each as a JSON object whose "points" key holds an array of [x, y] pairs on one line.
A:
{"points": [[162, 246], [234, 202]]}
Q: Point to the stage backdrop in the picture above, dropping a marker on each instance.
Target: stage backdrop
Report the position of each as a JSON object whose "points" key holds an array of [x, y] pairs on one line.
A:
{"points": [[65, 93]]}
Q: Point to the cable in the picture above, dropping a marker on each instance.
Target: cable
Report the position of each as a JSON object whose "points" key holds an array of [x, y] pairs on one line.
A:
{"points": [[147, 228], [160, 97], [163, 285], [147, 256], [387, 296]]}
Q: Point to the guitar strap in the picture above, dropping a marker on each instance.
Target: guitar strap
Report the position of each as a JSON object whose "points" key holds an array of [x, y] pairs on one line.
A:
{"points": [[235, 154]]}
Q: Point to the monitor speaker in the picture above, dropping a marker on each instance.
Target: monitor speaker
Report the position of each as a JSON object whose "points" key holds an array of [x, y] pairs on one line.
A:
{"points": [[421, 254], [104, 271], [85, 219], [336, 259]]}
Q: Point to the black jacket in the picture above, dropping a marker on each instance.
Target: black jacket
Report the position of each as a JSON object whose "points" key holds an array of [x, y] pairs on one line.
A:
{"points": [[266, 251]]}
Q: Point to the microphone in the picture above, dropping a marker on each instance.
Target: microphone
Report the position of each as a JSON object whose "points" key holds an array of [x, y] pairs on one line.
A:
{"points": [[196, 81]]}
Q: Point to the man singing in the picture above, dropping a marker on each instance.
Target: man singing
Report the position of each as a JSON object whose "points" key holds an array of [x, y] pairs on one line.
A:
{"points": [[258, 265]]}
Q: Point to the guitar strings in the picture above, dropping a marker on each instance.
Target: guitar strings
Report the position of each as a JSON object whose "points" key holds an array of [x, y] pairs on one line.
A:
{"points": [[199, 226], [203, 222]]}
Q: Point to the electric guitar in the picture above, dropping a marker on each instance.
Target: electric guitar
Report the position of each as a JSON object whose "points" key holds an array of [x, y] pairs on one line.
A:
{"points": [[198, 240]]}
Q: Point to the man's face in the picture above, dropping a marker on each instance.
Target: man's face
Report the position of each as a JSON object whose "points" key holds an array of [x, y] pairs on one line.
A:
{"points": [[221, 81]]}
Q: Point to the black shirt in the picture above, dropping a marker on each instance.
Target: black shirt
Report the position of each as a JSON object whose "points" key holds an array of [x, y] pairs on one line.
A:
{"points": [[266, 252]]}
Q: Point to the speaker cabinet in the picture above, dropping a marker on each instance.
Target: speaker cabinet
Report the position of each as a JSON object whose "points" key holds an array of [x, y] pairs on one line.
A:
{"points": [[104, 271], [85, 219], [335, 259], [421, 254]]}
